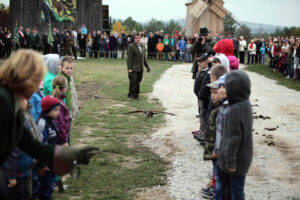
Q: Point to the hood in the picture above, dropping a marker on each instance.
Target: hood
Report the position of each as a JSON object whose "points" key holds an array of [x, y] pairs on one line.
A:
{"points": [[224, 60], [238, 86], [51, 61]]}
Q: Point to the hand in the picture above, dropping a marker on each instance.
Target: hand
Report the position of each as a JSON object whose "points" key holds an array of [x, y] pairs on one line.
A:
{"points": [[214, 156], [231, 170], [148, 69], [12, 183], [130, 70], [42, 171], [66, 144]]}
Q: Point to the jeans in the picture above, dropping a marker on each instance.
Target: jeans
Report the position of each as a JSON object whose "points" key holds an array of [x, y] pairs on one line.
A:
{"points": [[101, 49], [290, 71], [263, 59], [90, 51], [219, 185], [236, 185], [166, 55], [182, 55], [188, 57]]}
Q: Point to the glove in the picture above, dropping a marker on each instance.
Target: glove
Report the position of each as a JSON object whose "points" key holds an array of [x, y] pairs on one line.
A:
{"points": [[64, 157], [148, 70]]}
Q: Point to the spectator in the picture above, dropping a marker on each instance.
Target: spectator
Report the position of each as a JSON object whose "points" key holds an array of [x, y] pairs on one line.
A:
{"points": [[252, 51], [242, 49], [182, 48], [160, 48], [166, 43]]}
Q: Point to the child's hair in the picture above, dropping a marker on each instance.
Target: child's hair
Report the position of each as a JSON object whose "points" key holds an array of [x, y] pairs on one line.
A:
{"points": [[23, 72], [58, 83], [218, 71], [68, 59], [216, 60]]}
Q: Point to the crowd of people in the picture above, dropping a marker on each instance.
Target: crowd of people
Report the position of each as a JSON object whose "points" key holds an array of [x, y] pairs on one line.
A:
{"points": [[283, 52]]}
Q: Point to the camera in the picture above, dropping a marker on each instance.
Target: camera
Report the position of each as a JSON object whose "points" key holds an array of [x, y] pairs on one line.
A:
{"points": [[200, 39]]}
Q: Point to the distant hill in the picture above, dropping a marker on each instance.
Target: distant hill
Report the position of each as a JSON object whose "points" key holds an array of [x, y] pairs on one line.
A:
{"points": [[257, 27]]}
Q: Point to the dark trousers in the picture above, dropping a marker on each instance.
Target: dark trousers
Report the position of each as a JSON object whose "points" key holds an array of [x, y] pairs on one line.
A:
{"points": [[257, 57], [242, 57], [74, 52], [22, 191], [82, 51], [250, 57], [46, 181], [135, 79]]}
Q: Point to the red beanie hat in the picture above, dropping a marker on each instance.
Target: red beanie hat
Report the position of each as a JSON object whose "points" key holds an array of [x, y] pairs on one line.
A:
{"points": [[224, 46], [233, 62], [48, 103]]}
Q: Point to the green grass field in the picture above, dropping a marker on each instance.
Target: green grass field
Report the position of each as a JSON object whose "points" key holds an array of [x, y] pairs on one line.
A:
{"points": [[268, 73], [123, 164]]}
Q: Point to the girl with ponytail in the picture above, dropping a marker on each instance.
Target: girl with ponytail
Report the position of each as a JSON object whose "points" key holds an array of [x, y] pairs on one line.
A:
{"points": [[60, 87]]}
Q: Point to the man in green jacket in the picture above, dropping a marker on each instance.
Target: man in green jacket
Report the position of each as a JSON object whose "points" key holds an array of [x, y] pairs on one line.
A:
{"points": [[135, 62]]}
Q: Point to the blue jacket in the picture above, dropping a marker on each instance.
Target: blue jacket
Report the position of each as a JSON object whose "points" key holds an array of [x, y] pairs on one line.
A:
{"points": [[182, 45], [35, 101]]}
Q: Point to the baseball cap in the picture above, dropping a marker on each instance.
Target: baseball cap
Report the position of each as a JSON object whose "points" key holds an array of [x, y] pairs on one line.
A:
{"points": [[213, 85]]}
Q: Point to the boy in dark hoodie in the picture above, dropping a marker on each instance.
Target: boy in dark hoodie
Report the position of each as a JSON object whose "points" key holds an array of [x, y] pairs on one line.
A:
{"points": [[236, 147]]}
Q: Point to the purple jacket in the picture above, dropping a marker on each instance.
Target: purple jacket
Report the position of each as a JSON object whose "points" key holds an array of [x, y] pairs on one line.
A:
{"points": [[63, 123]]}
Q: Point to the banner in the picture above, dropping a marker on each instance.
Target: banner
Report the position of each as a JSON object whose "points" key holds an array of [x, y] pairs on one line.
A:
{"points": [[59, 10], [50, 34], [16, 35]]}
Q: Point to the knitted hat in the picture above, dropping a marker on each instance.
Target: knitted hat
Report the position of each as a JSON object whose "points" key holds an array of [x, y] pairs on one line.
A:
{"points": [[224, 46], [233, 62], [48, 103]]}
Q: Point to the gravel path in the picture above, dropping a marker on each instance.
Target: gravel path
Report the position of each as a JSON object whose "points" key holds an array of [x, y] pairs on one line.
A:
{"points": [[275, 171]]}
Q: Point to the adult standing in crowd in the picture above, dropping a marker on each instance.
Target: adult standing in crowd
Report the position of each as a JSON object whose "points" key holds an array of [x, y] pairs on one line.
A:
{"points": [[201, 46], [82, 42], [242, 49], [135, 63], [35, 39], [56, 41], [236, 46]]}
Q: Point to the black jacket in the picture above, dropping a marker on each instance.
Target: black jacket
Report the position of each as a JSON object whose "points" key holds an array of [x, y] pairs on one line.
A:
{"points": [[236, 149], [201, 90], [14, 134]]}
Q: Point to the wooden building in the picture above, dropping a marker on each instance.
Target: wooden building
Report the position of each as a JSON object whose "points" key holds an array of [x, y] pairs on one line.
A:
{"points": [[205, 13], [92, 13]]}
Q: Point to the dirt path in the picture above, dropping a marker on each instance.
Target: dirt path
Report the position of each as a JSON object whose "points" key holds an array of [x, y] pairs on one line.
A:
{"points": [[275, 171]]}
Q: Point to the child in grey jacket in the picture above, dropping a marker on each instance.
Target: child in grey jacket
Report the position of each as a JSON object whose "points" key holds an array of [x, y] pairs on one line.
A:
{"points": [[236, 147]]}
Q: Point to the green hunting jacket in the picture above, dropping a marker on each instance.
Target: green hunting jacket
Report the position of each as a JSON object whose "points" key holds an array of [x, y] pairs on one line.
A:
{"points": [[211, 128], [136, 59]]}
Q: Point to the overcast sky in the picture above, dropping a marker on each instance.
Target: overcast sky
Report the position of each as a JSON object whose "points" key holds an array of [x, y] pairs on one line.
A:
{"points": [[276, 12]]}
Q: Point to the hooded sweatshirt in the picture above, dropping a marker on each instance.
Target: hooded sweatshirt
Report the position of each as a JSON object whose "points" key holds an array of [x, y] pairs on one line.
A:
{"points": [[51, 61], [224, 60], [236, 149]]}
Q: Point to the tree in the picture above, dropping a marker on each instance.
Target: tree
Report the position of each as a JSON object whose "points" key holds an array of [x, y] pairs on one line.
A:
{"points": [[172, 26], [244, 31], [118, 27], [287, 31], [130, 23], [278, 32], [155, 25], [229, 24]]}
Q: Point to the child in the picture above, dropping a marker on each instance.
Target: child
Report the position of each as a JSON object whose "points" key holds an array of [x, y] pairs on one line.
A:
{"points": [[215, 73], [236, 147], [17, 171], [60, 86], [263, 53], [221, 59], [35, 102], [71, 95], [160, 47], [182, 48], [52, 62], [233, 63], [202, 91], [48, 128], [282, 66], [290, 61]]}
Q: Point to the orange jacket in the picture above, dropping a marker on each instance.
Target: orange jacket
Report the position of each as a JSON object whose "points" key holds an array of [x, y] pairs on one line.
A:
{"points": [[160, 46]]}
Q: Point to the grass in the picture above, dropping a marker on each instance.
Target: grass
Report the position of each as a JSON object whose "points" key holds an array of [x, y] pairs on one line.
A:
{"points": [[268, 73], [122, 165]]}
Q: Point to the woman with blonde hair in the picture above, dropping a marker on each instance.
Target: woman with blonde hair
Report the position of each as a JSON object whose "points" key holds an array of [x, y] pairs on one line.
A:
{"points": [[20, 76]]}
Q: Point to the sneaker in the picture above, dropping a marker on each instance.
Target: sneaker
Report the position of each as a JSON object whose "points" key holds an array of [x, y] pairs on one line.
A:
{"points": [[209, 194], [288, 77], [205, 190]]}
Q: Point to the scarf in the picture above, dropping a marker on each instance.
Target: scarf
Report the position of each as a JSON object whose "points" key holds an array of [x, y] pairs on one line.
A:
{"points": [[251, 45]]}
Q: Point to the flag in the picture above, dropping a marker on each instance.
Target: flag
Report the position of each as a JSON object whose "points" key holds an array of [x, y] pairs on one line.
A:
{"points": [[50, 34], [16, 34], [59, 10]]}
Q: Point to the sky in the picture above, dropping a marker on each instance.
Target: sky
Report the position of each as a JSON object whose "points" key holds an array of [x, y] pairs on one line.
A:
{"points": [[275, 12]]}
